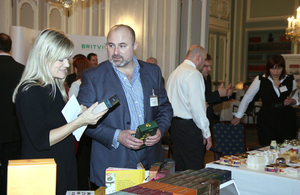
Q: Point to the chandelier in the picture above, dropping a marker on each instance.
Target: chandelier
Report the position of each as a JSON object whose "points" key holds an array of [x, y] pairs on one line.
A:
{"points": [[292, 32], [67, 3]]}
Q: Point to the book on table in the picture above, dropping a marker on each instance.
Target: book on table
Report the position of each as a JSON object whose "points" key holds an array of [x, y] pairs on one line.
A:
{"points": [[117, 179]]}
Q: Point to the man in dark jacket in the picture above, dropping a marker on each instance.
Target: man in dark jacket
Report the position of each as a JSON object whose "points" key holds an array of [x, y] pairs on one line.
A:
{"points": [[213, 97], [10, 137]]}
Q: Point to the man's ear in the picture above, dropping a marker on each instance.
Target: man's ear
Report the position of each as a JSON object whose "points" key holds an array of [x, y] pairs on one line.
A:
{"points": [[135, 45]]}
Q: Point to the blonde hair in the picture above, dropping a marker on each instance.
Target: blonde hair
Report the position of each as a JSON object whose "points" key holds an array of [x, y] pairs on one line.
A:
{"points": [[49, 47]]}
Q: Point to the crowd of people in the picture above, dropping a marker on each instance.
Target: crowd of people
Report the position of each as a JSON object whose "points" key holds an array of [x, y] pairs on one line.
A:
{"points": [[36, 93]]}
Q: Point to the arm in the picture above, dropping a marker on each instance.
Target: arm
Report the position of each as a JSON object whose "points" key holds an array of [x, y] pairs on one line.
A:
{"points": [[292, 100], [74, 89], [251, 92], [86, 118], [196, 103], [33, 111], [88, 94]]}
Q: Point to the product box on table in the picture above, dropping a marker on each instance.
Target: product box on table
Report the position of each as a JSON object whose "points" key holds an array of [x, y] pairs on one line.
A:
{"points": [[162, 187], [217, 177], [117, 179], [180, 183], [184, 176], [200, 180], [188, 171], [161, 180], [186, 191], [214, 186], [150, 184], [152, 172], [162, 173], [145, 130], [31, 176], [172, 180], [202, 189]]}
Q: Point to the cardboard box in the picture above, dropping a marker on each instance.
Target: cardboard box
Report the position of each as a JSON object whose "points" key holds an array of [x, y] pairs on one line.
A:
{"points": [[145, 130], [31, 176]]}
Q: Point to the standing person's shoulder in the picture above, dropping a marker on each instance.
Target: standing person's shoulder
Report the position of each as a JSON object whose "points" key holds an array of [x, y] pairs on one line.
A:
{"points": [[148, 66], [290, 76]]}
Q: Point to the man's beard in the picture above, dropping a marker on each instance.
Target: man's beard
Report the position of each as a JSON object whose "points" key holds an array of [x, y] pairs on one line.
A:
{"points": [[123, 62]]}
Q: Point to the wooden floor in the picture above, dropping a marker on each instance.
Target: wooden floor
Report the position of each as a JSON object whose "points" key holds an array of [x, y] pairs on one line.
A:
{"points": [[251, 141]]}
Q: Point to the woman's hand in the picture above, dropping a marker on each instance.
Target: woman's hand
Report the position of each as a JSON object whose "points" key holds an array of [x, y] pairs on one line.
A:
{"points": [[88, 117], [289, 101], [235, 121]]}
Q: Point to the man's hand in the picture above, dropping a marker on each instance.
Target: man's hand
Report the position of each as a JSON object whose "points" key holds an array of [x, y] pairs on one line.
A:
{"points": [[126, 139], [209, 143], [230, 91], [235, 121], [223, 91], [151, 140]]}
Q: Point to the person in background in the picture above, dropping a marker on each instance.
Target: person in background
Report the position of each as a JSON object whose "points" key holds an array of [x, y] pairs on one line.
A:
{"points": [[10, 137], [240, 93], [212, 98], [83, 153], [92, 57], [143, 99], [153, 60], [72, 77], [190, 127], [79, 64], [276, 119], [40, 96]]}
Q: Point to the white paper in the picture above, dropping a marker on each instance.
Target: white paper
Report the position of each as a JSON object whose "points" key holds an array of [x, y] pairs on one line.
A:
{"points": [[70, 112]]}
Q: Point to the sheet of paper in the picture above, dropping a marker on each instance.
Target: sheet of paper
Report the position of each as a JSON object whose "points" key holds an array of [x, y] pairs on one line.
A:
{"points": [[70, 112]]}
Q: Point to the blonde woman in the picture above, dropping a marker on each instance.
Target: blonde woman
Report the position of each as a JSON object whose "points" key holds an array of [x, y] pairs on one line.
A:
{"points": [[40, 96]]}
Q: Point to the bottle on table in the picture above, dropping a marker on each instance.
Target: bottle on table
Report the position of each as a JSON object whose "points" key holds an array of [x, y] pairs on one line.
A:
{"points": [[273, 145]]}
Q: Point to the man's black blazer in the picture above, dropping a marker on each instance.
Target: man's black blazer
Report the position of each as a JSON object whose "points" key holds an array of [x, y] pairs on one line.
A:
{"points": [[10, 75]]}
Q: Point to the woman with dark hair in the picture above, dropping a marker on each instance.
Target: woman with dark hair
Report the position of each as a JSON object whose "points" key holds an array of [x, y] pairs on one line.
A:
{"points": [[80, 64], [276, 119]]}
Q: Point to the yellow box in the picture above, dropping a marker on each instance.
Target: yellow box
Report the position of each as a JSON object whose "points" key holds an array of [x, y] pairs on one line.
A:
{"points": [[31, 176]]}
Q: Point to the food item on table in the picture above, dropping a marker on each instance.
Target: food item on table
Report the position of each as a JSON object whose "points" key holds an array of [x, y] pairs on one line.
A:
{"points": [[280, 161], [281, 168], [224, 160], [236, 162], [229, 158], [270, 168], [243, 160]]}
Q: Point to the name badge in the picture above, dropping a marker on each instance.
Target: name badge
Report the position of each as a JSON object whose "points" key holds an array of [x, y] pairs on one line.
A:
{"points": [[283, 89], [153, 99]]}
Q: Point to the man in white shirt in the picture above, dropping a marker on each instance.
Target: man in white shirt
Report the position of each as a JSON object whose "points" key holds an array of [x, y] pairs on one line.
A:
{"points": [[240, 93], [190, 127]]}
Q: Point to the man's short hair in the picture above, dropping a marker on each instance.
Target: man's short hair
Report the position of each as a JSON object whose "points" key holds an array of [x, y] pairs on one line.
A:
{"points": [[89, 56], [154, 60], [5, 43], [208, 58], [117, 26]]}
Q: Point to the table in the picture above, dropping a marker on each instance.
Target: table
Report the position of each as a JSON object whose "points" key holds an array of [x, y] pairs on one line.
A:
{"points": [[224, 110], [249, 181]]}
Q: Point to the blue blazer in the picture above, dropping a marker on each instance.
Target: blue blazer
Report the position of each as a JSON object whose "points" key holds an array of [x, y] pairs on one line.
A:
{"points": [[101, 82]]}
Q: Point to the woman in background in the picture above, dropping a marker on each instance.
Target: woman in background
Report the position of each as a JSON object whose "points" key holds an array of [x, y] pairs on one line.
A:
{"points": [[40, 96], [276, 119], [80, 64], [83, 153]]}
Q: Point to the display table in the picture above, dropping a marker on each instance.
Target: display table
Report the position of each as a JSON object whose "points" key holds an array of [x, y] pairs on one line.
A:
{"points": [[224, 110], [249, 181]]}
